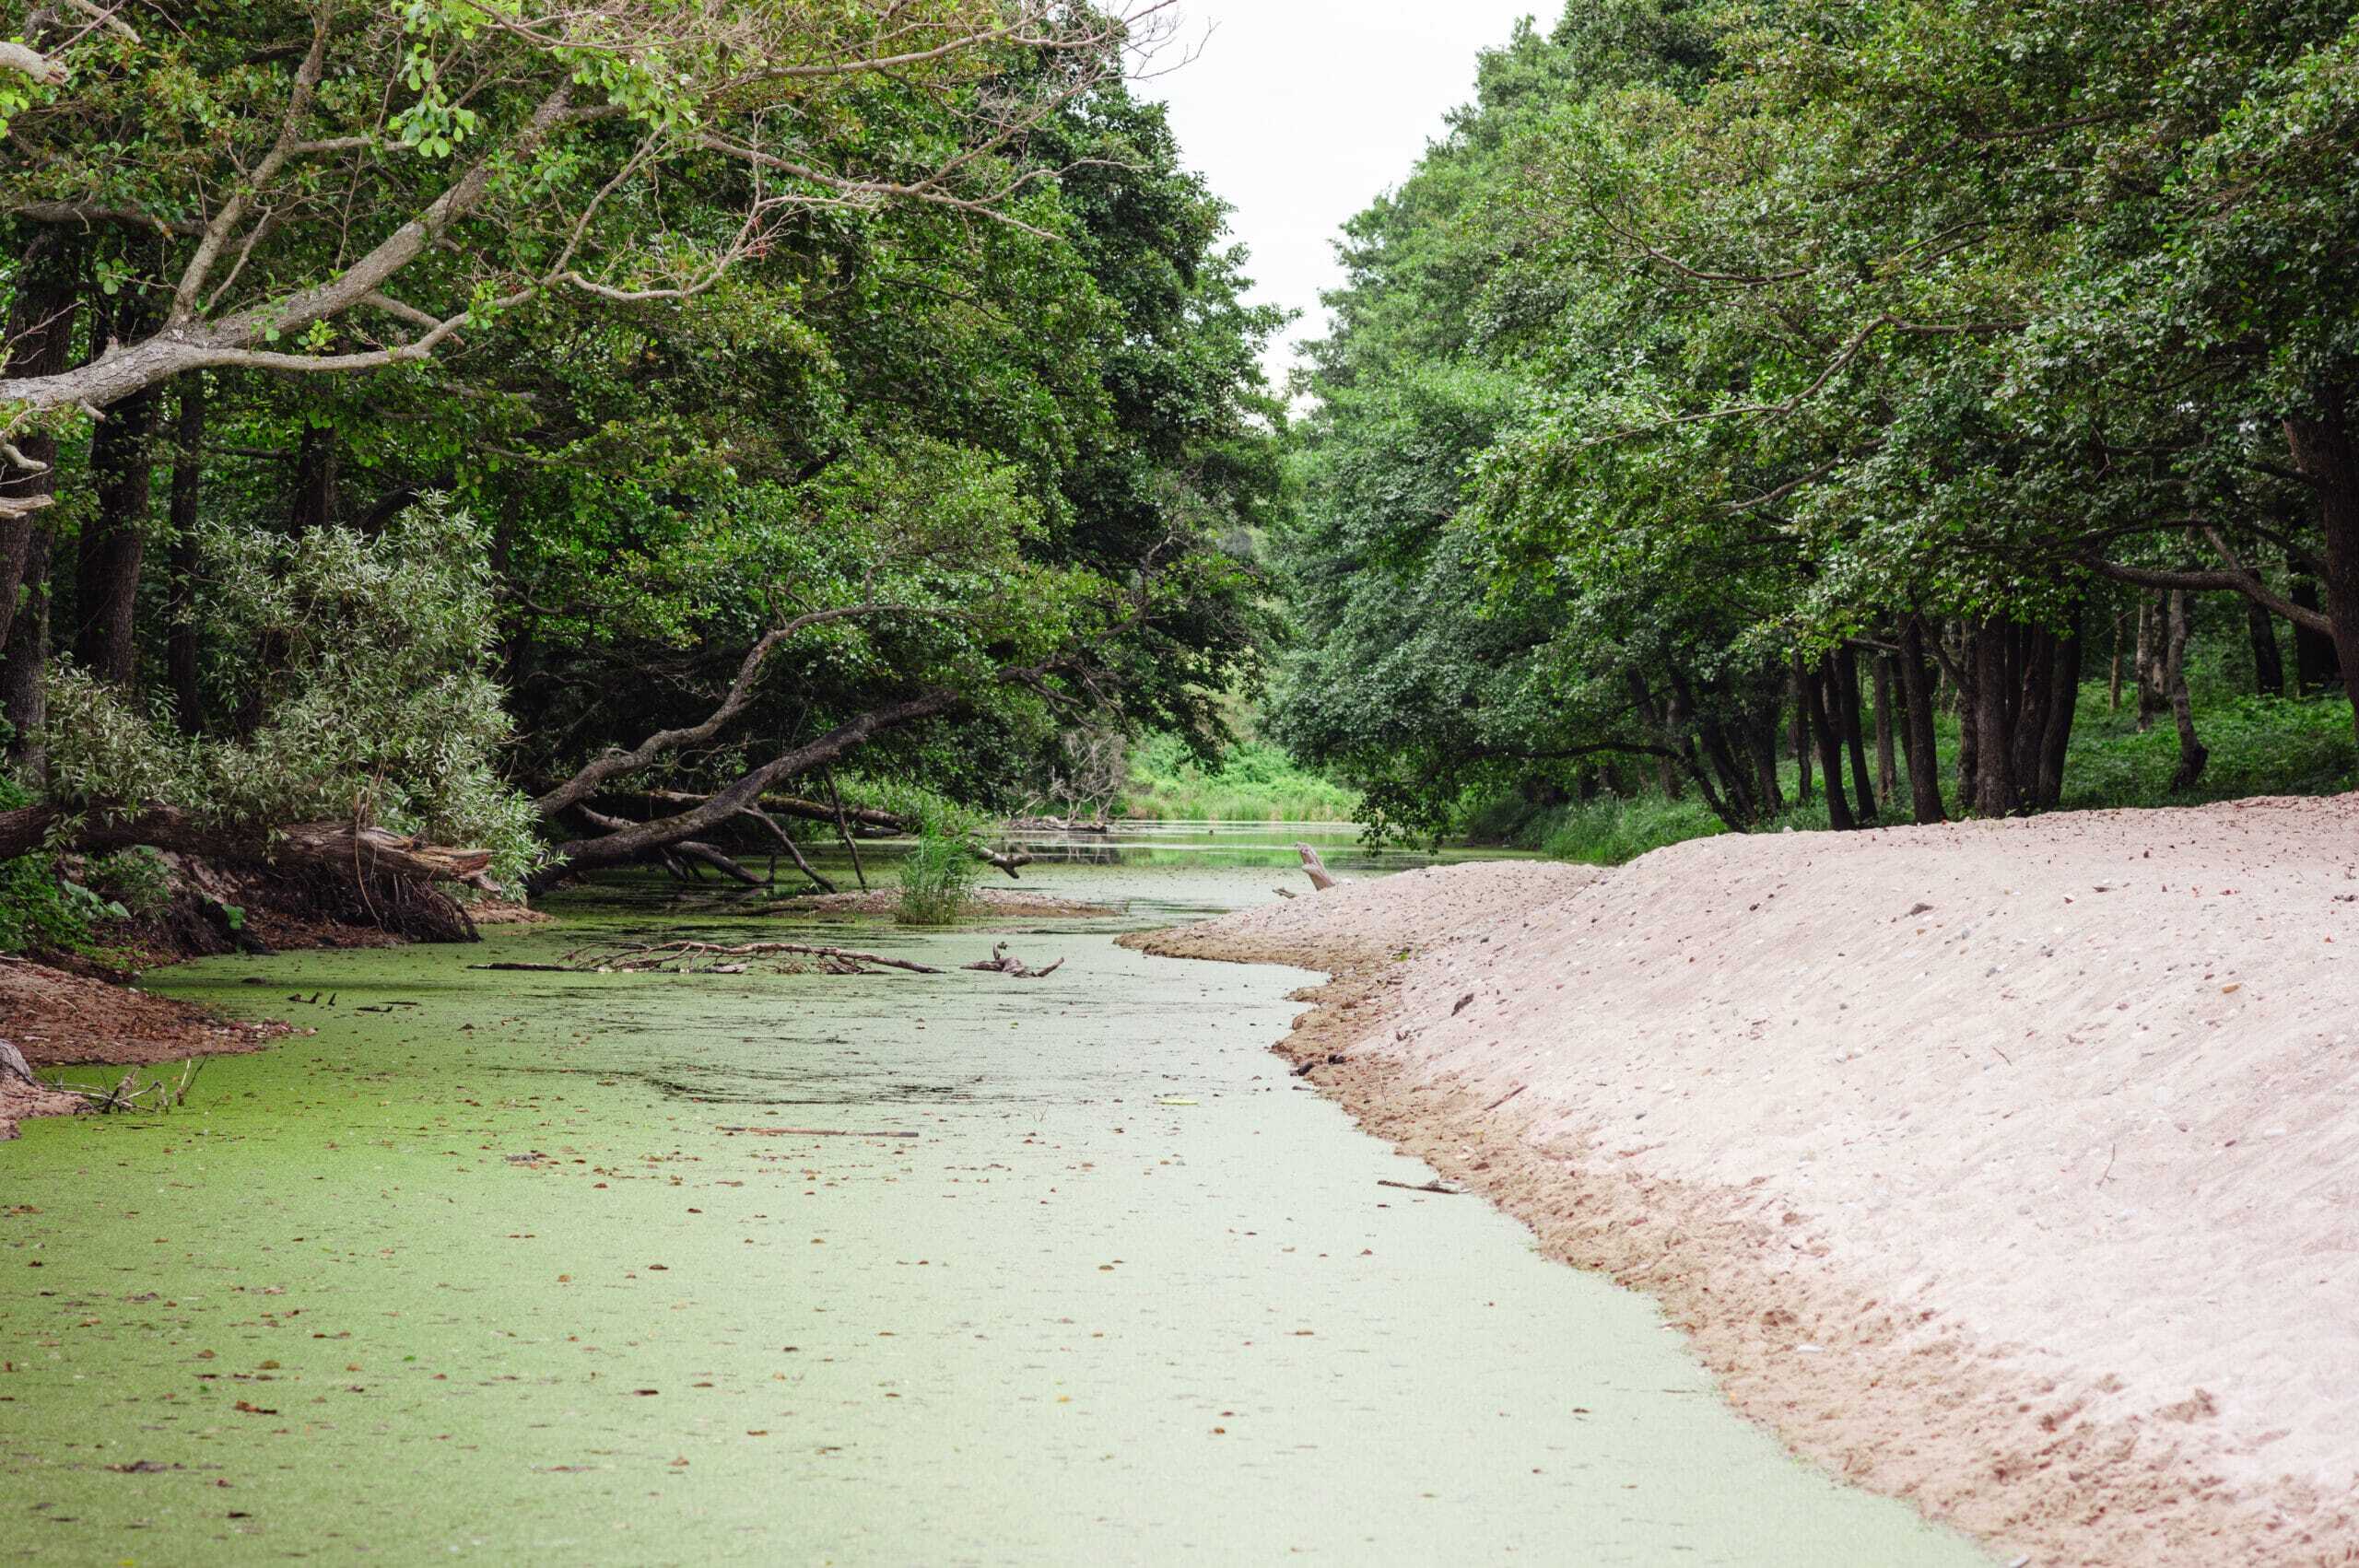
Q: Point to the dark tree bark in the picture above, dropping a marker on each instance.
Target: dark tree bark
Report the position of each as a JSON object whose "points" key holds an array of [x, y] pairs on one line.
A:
{"points": [[314, 504], [2324, 450], [188, 478], [2177, 630], [1829, 742], [2316, 667], [1924, 763], [1801, 737], [1887, 760], [1996, 698], [2268, 664], [2153, 697], [1845, 671], [1761, 738], [106, 600], [2045, 788]]}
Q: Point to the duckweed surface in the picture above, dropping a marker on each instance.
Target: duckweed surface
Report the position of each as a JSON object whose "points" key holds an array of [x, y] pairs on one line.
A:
{"points": [[479, 1271]]}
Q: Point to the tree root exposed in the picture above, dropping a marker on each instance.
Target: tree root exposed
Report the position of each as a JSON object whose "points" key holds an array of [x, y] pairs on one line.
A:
{"points": [[1003, 961], [707, 958]]}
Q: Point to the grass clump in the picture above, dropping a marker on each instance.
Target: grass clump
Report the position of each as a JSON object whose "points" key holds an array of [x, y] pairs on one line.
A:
{"points": [[938, 876]]}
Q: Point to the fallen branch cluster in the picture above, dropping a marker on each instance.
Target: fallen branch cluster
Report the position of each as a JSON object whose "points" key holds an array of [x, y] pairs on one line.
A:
{"points": [[1003, 961], [159, 1096], [708, 958]]}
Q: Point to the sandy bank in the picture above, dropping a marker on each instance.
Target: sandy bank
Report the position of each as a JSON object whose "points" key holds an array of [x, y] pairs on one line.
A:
{"points": [[58, 1020], [2009, 1168]]}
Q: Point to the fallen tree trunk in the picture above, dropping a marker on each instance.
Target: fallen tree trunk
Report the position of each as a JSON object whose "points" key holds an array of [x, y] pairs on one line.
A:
{"points": [[340, 847]]}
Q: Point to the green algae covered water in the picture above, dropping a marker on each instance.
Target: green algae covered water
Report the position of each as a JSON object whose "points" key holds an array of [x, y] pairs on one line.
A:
{"points": [[479, 1270]]}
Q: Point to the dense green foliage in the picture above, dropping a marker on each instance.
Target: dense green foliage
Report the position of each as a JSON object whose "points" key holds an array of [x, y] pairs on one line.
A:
{"points": [[790, 388], [1723, 353], [1251, 781]]}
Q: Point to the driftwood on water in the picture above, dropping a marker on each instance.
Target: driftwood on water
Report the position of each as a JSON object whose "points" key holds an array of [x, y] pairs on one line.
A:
{"points": [[1003, 961], [707, 958]]}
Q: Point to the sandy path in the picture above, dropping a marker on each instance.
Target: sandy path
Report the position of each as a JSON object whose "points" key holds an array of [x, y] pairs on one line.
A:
{"points": [[2007, 1167]]}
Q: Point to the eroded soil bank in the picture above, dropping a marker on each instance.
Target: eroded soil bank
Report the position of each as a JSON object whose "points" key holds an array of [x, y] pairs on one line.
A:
{"points": [[2003, 1167]]}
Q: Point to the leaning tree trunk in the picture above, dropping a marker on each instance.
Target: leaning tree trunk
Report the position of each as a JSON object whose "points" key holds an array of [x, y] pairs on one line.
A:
{"points": [[2327, 455], [1845, 672], [1829, 742]]}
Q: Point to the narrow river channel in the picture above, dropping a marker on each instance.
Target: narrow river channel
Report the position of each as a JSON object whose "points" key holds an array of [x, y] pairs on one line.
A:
{"points": [[484, 1275]]}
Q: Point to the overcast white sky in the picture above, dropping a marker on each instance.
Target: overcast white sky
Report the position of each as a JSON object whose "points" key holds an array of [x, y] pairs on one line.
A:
{"points": [[1300, 112]]}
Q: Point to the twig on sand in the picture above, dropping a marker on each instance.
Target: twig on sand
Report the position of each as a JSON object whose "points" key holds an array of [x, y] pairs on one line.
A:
{"points": [[1423, 1186]]}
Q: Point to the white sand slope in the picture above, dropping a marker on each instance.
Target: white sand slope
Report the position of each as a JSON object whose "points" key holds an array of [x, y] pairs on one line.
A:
{"points": [[2010, 1166]]}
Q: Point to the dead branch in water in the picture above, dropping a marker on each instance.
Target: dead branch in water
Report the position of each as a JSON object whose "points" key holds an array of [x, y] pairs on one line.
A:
{"points": [[1423, 1186], [159, 1096], [706, 958], [1006, 963], [1314, 868]]}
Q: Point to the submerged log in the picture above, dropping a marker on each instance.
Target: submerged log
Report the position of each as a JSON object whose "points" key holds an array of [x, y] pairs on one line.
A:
{"points": [[1003, 961], [686, 957]]}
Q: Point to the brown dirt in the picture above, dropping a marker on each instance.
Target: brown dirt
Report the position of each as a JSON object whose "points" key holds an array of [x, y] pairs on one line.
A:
{"points": [[2023, 1201], [58, 1020]]}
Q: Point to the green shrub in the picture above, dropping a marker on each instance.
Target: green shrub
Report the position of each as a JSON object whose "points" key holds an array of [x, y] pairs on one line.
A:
{"points": [[937, 877], [136, 879]]}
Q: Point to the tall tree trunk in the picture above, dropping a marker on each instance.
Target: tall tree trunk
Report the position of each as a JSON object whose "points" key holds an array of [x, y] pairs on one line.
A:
{"points": [[2268, 664], [1924, 763], [2113, 682], [40, 324], [1829, 742], [1960, 668], [2323, 450], [1761, 739], [2153, 694], [1801, 734], [2176, 632], [2315, 668], [1887, 762], [106, 600], [2063, 704], [188, 478], [1845, 671], [1996, 699]]}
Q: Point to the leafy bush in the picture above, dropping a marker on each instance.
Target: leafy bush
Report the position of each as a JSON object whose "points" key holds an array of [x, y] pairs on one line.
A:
{"points": [[136, 879], [375, 694]]}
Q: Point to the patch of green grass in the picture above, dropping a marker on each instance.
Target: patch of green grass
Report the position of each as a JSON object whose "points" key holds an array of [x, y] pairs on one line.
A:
{"points": [[1254, 782], [937, 879]]}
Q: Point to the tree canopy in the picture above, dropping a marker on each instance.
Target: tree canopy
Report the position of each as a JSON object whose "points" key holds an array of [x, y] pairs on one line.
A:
{"points": [[1719, 348]]}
